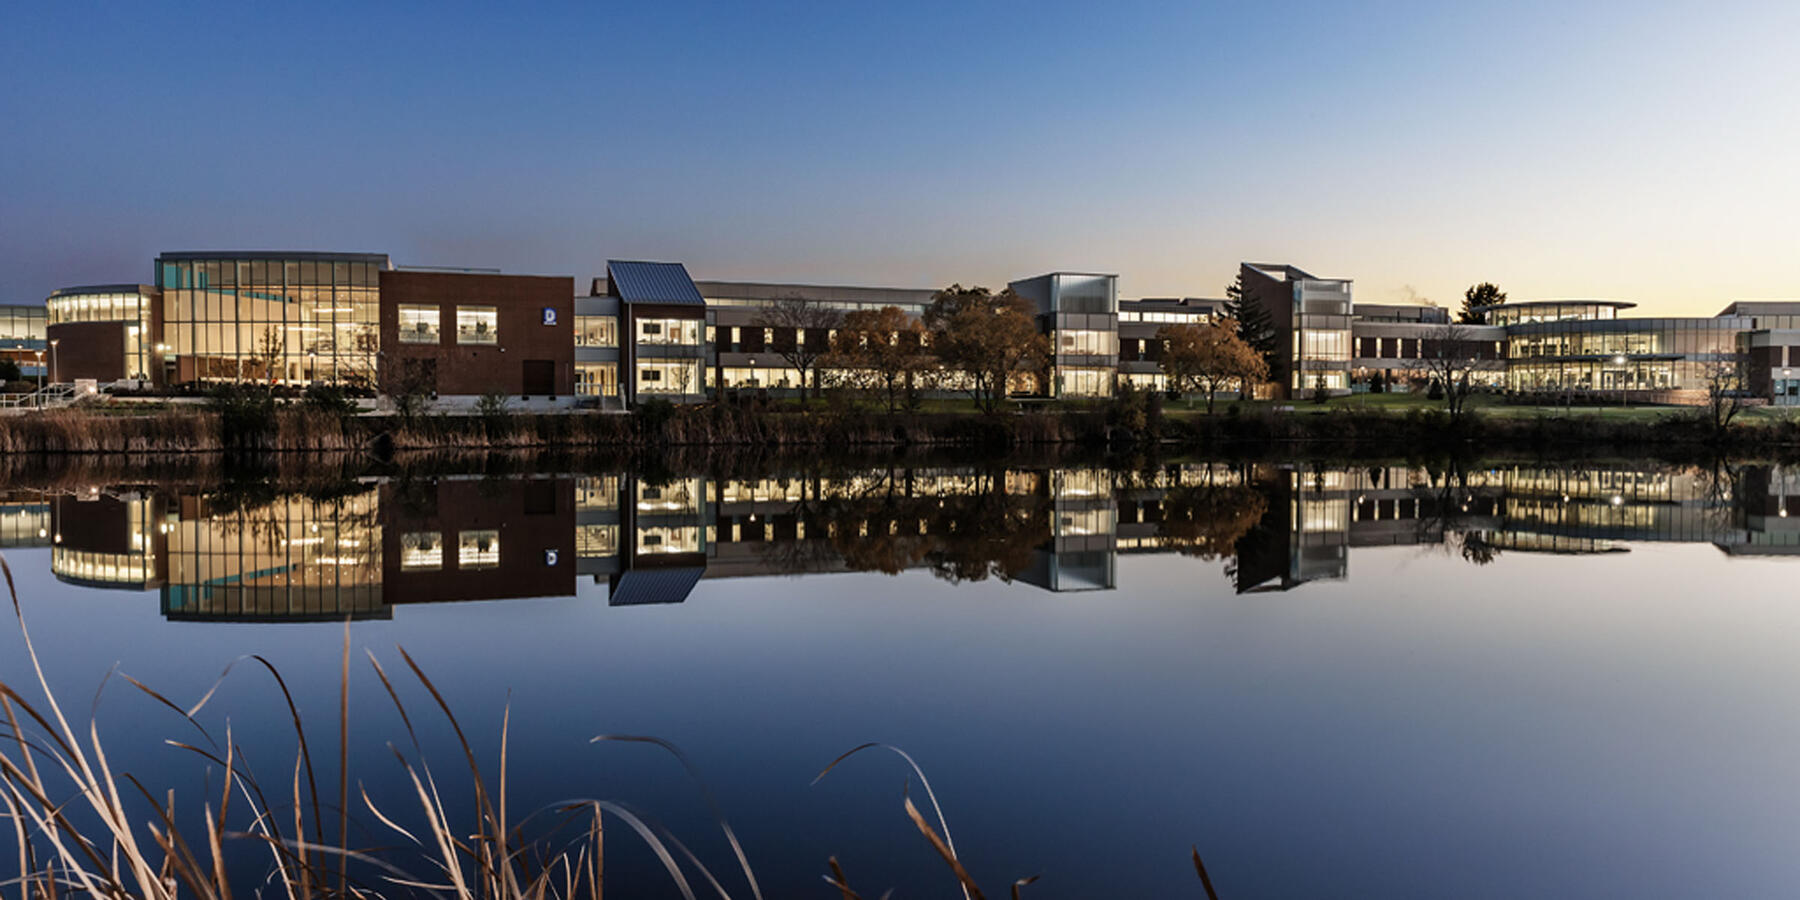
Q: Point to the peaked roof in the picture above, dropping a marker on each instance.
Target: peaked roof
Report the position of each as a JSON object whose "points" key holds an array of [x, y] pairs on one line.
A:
{"points": [[641, 587], [652, 282]]}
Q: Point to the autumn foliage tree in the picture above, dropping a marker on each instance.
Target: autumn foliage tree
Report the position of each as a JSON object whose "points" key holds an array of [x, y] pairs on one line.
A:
{"points": [[1208, 358], [986, 339], [881, 350]]}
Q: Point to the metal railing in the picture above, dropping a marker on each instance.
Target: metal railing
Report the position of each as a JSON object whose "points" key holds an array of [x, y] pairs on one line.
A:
{"points": [[53, 396]]}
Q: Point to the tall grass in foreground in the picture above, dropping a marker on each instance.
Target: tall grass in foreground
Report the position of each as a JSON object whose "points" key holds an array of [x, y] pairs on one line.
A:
{"points": [[76, 832]]}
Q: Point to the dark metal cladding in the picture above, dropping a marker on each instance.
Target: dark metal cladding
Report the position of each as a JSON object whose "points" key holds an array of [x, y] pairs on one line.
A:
{"points": [[652, 282], [643, 587]]}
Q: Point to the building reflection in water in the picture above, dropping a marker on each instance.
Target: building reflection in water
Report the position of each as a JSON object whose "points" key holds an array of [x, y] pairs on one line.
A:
{"points": [[373, 545]]}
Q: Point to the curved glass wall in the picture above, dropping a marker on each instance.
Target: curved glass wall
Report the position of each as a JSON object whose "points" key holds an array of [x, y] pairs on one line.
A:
{"points": [[123, 304], [1555, 311], [283, 319], [1620, 354]]}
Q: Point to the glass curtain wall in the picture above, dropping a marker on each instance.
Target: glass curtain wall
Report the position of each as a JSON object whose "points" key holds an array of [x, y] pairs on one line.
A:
{"points": [[21, 326], [276, 320], [1620, 354], [290, 557]]}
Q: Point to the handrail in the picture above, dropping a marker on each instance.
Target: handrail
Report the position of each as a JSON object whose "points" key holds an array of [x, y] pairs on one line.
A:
{"points": [[53, 396]]}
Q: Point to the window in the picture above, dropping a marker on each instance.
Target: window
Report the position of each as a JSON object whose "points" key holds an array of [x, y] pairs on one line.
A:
{"points": [[421, 551], [477, 325], [1326, 345], [678, 539], [683, 332], [477, 549], [597, 379], [596, 540], [673, 377], [418, 324], [1084, 382], [596, 331], [1086, 343]]}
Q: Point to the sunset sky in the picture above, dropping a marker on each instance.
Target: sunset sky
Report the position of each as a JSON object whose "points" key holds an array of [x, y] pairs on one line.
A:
{"points": [[1640, 151]]}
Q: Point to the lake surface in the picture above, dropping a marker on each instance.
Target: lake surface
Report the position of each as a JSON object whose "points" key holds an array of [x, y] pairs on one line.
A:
{"points": [[1502, 680]]}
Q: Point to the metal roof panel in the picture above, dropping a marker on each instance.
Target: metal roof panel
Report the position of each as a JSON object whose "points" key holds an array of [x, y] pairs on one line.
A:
{"points": [[652, 282]]}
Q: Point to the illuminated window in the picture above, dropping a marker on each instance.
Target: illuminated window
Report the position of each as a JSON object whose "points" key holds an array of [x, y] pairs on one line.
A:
{"points": [[477, 325], [418, 324], [596, 540], [597, 379], [421, 551], [596, 331], [1087, 343], [673, 377], [597, 492], [684, 332], [680, 539], [477, 549]]}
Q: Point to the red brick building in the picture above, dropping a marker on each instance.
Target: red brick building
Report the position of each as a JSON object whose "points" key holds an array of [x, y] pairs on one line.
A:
{"points": [[473, 333]]}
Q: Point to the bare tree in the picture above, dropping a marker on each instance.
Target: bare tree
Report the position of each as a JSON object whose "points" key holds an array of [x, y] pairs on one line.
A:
{"points": [[1451, 515], [684, 375], [1726, 379], [808, 322], [409, 383], [1450, 355]]}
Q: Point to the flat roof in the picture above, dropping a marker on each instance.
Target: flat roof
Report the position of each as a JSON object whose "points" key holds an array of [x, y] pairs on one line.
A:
{"points": [[1615, 304], [771, 290], [103, 289], [1176, 301], [306, 255]]}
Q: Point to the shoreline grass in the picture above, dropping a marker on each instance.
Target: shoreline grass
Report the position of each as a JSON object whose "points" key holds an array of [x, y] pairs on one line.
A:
{"points": [[79, 826], [1356, 425]]}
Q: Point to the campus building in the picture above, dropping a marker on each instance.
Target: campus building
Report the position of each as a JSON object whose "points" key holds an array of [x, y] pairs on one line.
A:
{"points": [[22, 338], [649, 330], [1311, 318], [393, 542]]}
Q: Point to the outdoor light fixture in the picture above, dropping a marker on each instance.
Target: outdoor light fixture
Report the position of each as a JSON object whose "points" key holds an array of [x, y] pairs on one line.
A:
{"points": [[1619, 359]]}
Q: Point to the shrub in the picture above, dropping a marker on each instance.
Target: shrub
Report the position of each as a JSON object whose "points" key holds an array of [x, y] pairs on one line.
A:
{"points": [[246, 414], [329, 398], [492, 408], [9, 370], [652, 414]]}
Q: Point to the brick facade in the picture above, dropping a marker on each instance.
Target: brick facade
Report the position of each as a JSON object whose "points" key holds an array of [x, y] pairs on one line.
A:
{"points": [[87, 350], [530, 356]]}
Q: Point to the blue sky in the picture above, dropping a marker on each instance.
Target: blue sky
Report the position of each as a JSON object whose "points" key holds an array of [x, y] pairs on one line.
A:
{"points": [[1633, 151]]}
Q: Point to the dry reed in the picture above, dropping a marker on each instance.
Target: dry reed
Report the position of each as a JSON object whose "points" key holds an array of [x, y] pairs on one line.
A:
{"points": [[76, 832]]}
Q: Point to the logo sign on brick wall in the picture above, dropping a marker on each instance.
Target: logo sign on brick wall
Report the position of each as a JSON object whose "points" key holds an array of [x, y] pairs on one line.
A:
{"points": [[549, 315]]}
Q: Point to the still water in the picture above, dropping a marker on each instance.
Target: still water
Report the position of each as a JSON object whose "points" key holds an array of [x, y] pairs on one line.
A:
{"points": [[1498, 680]]}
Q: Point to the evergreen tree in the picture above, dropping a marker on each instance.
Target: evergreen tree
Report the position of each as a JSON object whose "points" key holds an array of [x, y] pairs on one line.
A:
{"points": [[1483, 294], [1253, 322]]}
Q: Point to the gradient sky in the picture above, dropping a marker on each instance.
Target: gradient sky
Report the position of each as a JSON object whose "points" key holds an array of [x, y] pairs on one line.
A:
{"points": [[1642, 151]]}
